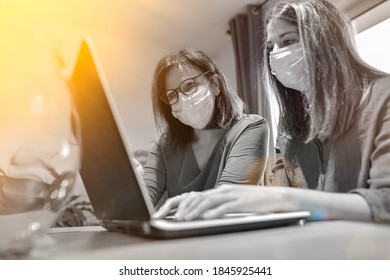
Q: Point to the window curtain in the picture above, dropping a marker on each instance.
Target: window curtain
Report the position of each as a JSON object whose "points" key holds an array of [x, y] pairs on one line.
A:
{"points": [[247, 33]]}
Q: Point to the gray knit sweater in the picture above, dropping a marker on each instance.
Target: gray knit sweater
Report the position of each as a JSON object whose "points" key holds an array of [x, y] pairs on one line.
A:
{"points": [[358, 162]]}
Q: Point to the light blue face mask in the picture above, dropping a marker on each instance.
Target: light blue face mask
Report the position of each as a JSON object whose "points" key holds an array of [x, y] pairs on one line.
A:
{"points": [[289, 68]]}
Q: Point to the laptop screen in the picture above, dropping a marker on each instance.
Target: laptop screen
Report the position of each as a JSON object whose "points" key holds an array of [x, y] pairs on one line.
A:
{"points": [[106, 169]]}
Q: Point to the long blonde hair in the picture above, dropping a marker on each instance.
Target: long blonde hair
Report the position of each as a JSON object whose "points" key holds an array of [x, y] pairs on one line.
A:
{"points": [[337, 75]]}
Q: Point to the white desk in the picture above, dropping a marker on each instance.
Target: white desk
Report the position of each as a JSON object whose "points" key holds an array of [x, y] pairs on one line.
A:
{"points": [[317, 240]]}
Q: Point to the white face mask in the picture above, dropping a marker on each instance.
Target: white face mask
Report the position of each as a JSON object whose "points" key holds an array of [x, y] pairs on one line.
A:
{"points": [[196, 109], [288, 66]]}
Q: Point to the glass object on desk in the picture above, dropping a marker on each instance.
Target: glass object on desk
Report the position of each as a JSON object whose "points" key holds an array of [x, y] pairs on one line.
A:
{"points": [[39, 143]]}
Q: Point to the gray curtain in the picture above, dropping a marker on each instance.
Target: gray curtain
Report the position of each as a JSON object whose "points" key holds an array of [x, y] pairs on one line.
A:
{"points": [[246, 31]]}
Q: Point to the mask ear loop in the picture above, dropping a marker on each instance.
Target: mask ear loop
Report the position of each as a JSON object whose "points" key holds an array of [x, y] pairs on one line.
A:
{"points": [[218, 101], [215, 80], [269, 64]]}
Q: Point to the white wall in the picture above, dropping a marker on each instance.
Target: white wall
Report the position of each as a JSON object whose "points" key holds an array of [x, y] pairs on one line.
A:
{"points": [[374, 45], [226, 61]]}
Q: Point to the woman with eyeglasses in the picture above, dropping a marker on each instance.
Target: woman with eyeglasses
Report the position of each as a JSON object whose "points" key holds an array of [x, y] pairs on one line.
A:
{"points": [[334, 130], [207, 139]]}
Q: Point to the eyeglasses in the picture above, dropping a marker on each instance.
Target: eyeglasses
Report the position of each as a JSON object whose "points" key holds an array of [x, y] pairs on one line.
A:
{"points": [[187, 87]]}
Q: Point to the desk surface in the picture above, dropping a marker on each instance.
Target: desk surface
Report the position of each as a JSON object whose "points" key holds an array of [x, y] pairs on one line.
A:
{"points": [[316, 240]]}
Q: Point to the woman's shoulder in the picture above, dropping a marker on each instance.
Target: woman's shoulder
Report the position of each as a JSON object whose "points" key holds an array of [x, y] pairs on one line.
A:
{"points": [[245, 119], [246, 122], [385, 79], [380, 91], [382, 84], [162, 142]]}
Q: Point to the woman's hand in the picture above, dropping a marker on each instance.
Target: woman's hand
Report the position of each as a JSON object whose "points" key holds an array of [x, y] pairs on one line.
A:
{"points": [[170, 205], [224, 200]]}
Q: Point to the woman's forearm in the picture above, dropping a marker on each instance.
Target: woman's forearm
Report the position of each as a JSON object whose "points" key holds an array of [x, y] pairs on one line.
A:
{"points": [[330, 206]]}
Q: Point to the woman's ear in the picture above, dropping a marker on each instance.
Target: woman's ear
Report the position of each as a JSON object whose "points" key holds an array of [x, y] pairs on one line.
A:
{"points": [[215, 79]]}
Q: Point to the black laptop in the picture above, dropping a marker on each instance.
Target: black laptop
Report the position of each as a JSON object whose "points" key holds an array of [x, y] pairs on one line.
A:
{"points": [[118, 197]]}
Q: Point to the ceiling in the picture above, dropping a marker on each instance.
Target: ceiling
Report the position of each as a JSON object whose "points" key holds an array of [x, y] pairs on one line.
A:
{"points": [[172, 23]]}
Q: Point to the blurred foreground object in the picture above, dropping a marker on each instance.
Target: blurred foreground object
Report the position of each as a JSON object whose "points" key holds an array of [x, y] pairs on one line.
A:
{"points": [[39, 143]]}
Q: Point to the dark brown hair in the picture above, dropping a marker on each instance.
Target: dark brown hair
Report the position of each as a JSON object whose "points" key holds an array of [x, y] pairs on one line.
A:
{"points": [[228, 105]]}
